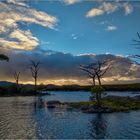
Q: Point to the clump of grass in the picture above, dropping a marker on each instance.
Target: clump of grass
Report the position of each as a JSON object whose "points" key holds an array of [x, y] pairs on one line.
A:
{"points": [[116, 105], [81, 104], [121, 105]]}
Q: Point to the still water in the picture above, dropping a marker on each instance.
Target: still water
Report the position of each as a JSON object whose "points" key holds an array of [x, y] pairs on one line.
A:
{"points": [[22, 118]]}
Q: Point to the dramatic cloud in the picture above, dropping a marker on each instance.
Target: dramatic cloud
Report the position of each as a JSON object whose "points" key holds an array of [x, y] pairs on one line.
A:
{"points": [[14, 12], [108, 8], [111, 28], [60, 68]]}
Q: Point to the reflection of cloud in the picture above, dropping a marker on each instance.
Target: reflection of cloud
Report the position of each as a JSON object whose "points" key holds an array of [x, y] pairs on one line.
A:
{"points": [[13, 12], [63, 68]]}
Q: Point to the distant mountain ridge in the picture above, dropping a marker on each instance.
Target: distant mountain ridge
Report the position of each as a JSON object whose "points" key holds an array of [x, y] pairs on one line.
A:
{"points": [[5, 83]]}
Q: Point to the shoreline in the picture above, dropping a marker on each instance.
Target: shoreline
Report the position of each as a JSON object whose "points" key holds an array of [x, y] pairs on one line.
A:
{"points": [[109, 104], [48, 93]]}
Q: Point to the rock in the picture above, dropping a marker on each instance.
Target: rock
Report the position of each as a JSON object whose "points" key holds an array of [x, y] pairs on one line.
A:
{"points": [[52, 104], [55, 102]]}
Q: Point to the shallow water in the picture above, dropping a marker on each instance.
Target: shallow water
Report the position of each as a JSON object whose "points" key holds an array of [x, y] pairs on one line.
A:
{"points": [[77, 96], [22, 118]]}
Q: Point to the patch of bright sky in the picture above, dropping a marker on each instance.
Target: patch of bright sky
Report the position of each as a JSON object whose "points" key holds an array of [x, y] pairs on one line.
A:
{"points": [[77, 34]]}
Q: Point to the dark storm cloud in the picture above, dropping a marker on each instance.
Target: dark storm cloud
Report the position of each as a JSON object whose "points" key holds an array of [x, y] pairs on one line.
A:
{"points": [[55, 65]]}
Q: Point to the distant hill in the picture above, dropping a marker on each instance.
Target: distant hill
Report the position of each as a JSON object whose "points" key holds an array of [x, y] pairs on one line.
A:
{"points": [[5, 84], [52, 87]]}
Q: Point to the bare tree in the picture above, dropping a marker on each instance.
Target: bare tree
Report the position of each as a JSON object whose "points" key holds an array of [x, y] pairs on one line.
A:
{"points": [[35, 67], [96, 70], [100, 68], [16, 76], [90, 72], [137, 43]]}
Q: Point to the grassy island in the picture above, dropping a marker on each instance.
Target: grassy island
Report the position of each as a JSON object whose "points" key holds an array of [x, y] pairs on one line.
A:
{"points": [[109, 104]]}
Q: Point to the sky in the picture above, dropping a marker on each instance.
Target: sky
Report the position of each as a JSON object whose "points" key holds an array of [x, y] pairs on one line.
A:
{"points": [[66, 33]]}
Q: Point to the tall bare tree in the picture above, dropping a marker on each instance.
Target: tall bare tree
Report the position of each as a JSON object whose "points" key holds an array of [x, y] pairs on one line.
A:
{"points": [[35, 67], [90, 72], [16, 76], [100, 68], [96, 70]]}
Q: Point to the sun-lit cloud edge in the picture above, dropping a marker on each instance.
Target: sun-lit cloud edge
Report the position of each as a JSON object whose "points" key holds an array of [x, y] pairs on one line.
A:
{"points": [[65, 81], [12, 36]]}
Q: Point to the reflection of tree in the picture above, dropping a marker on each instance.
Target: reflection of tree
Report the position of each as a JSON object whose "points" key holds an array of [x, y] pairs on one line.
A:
{"points": [[98, 127], [38, 103]]}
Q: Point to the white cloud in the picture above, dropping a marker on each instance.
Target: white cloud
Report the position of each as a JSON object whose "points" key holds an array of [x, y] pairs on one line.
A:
{"points": [[95, 12], [128, 8], [74, 36], [111, 28], [108, 8], [70, 2], [19, 39], [25, 39], [17, 2], [14, 11]]}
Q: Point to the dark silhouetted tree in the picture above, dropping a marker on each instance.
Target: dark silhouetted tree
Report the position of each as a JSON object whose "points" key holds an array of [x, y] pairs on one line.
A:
{"points": [[90, 72], [137, 43], [16, 77], [100, 68], [96, 70], [35, 67]]}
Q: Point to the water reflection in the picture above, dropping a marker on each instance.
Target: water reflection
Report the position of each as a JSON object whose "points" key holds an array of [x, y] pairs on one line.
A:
{"points": [[23, 118], [98, 126]]}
